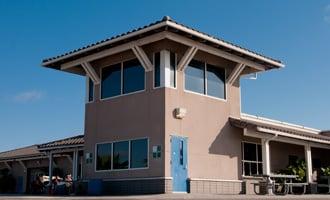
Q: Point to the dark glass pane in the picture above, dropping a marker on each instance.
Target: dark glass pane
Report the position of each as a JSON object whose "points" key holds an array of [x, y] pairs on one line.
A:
{"points": [[250, 152], [90, 90], [157, 70], [254, 169], [133, 76], [194, 77], [259, 168], [139, 153], [259, 153], [247, 169], [216, 82], [103, 157], [173, 70], [111, 81], [120, 155]]}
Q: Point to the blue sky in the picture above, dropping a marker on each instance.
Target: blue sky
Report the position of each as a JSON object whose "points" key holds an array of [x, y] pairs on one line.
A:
{"points": [[39, 104]]}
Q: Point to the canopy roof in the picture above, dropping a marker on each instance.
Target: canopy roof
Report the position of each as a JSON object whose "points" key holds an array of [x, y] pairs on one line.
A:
{"points": [[274, 127], [168, 25]]}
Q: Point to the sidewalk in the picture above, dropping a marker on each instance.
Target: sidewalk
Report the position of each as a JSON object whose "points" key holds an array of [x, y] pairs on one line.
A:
{"points": [[174, 196]]}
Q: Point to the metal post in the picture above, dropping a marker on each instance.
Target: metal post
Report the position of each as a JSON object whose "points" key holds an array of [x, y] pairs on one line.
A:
{"points": [[50, 169]]}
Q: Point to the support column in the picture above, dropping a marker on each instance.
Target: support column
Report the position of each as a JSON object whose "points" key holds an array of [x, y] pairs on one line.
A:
{"points": [[265, 157], [74, 165], [165, 68], [50, 168], [308, 158]]}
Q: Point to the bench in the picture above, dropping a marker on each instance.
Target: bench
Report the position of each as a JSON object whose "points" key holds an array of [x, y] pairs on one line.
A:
{"points": [[297, 185]]}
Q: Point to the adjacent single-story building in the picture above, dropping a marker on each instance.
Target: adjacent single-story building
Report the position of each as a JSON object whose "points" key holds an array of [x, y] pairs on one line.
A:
{"points": [[163, 114]]}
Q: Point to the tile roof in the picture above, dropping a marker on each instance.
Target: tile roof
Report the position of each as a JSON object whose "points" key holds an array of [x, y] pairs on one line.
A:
{"points": [[101, 45], [71, 141], [29, 151]]}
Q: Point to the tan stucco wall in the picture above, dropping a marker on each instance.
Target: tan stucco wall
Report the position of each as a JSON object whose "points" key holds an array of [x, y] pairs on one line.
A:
{"points": [[214, 149], [214, 146], [279, 154]]}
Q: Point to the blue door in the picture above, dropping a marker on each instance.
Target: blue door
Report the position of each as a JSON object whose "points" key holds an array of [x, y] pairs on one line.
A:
{"points": [[179, 163]]}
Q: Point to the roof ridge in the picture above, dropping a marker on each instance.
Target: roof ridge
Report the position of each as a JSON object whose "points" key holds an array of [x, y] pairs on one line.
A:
{"points": [[19, 148]]}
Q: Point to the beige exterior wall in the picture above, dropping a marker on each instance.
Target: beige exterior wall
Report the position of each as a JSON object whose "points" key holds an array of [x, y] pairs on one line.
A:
{"points": [[214, 146]]}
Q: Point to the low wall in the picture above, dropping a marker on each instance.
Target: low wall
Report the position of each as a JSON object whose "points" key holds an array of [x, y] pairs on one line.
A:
{"points": [[215, 186]]}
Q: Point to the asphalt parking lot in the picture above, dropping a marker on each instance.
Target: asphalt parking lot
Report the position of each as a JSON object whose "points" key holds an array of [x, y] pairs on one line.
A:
{"points": [[174, 196]]}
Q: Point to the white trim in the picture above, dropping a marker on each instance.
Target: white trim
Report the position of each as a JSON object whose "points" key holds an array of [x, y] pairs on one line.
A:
{"points": [[279, 123], [281, 133], [61, 149], [215, 180], [308, 158]]}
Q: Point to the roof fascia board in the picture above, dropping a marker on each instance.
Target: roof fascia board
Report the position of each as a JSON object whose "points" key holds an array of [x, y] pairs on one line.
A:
{"points": [[66, 148], [219, 42], [214, 51], [281, 133], [114, 50], [279, 124], [150, 28]]}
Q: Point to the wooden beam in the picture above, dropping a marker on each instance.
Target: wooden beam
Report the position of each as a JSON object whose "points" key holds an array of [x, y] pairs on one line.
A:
{"points": [[114, 50], [235, 73], [142, 57], [7, 165], [22, 164], [91, 72], [187, 57], [214, 51]]}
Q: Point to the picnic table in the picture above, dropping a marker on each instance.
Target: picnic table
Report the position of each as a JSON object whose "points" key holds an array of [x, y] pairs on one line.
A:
{"points": [[279, 188]]}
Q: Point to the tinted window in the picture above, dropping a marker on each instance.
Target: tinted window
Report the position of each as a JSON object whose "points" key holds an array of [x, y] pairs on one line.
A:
{"points": [[250, 152], [133, 76], [111, 81], [215, 81], [157, 70], [90, 90], [120, 155], [103, 157], [139, 153], [173, 70], [194, 77]]}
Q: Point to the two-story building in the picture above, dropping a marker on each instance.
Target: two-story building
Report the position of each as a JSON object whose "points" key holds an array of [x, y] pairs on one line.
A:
{"points": [[163, 114]]}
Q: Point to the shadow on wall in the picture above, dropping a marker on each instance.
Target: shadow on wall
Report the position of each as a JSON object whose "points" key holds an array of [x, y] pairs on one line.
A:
{"points": [[228, 143]]}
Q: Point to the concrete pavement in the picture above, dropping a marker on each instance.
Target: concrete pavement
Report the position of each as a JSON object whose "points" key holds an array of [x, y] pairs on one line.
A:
{"points": [[174, 197]]}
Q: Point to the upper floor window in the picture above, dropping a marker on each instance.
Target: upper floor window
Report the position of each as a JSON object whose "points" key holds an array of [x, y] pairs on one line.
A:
{"points": [[172, 69], [90, 90], [122, 78], [157, 69], [205, 79]]}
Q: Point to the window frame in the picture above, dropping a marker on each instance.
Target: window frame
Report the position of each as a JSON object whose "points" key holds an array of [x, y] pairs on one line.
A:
{"points": [[122, 79], [129, 155], [88, 89], [205, 82], [249, 161]]}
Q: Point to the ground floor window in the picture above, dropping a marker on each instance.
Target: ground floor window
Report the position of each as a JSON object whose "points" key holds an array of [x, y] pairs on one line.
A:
{"points": [[252, 159], [121, 155]]}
